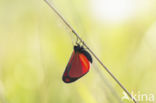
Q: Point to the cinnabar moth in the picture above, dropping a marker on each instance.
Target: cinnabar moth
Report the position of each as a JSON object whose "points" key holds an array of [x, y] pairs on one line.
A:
{"points": [[78, 65]]}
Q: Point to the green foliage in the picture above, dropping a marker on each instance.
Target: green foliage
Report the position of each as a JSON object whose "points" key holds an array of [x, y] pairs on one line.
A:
{"points": [[35, 47]]}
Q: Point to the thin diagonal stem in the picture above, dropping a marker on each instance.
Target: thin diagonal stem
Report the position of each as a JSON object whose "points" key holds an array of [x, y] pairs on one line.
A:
{"points": [[76, 34]]}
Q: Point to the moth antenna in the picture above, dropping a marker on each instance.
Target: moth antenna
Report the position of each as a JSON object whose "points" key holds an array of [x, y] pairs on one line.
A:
{"points": [[77, 39]]}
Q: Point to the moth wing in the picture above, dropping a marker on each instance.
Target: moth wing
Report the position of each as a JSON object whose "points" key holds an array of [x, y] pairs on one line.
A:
{"points": [[66, 77], [79, 67]]}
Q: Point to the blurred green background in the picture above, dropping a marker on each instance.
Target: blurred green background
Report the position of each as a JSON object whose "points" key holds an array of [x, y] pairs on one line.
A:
{"points": [[35, 47]]}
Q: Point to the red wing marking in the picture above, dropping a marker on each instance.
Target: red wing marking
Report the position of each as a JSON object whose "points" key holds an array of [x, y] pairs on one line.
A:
{"points": [[80, 66]]}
